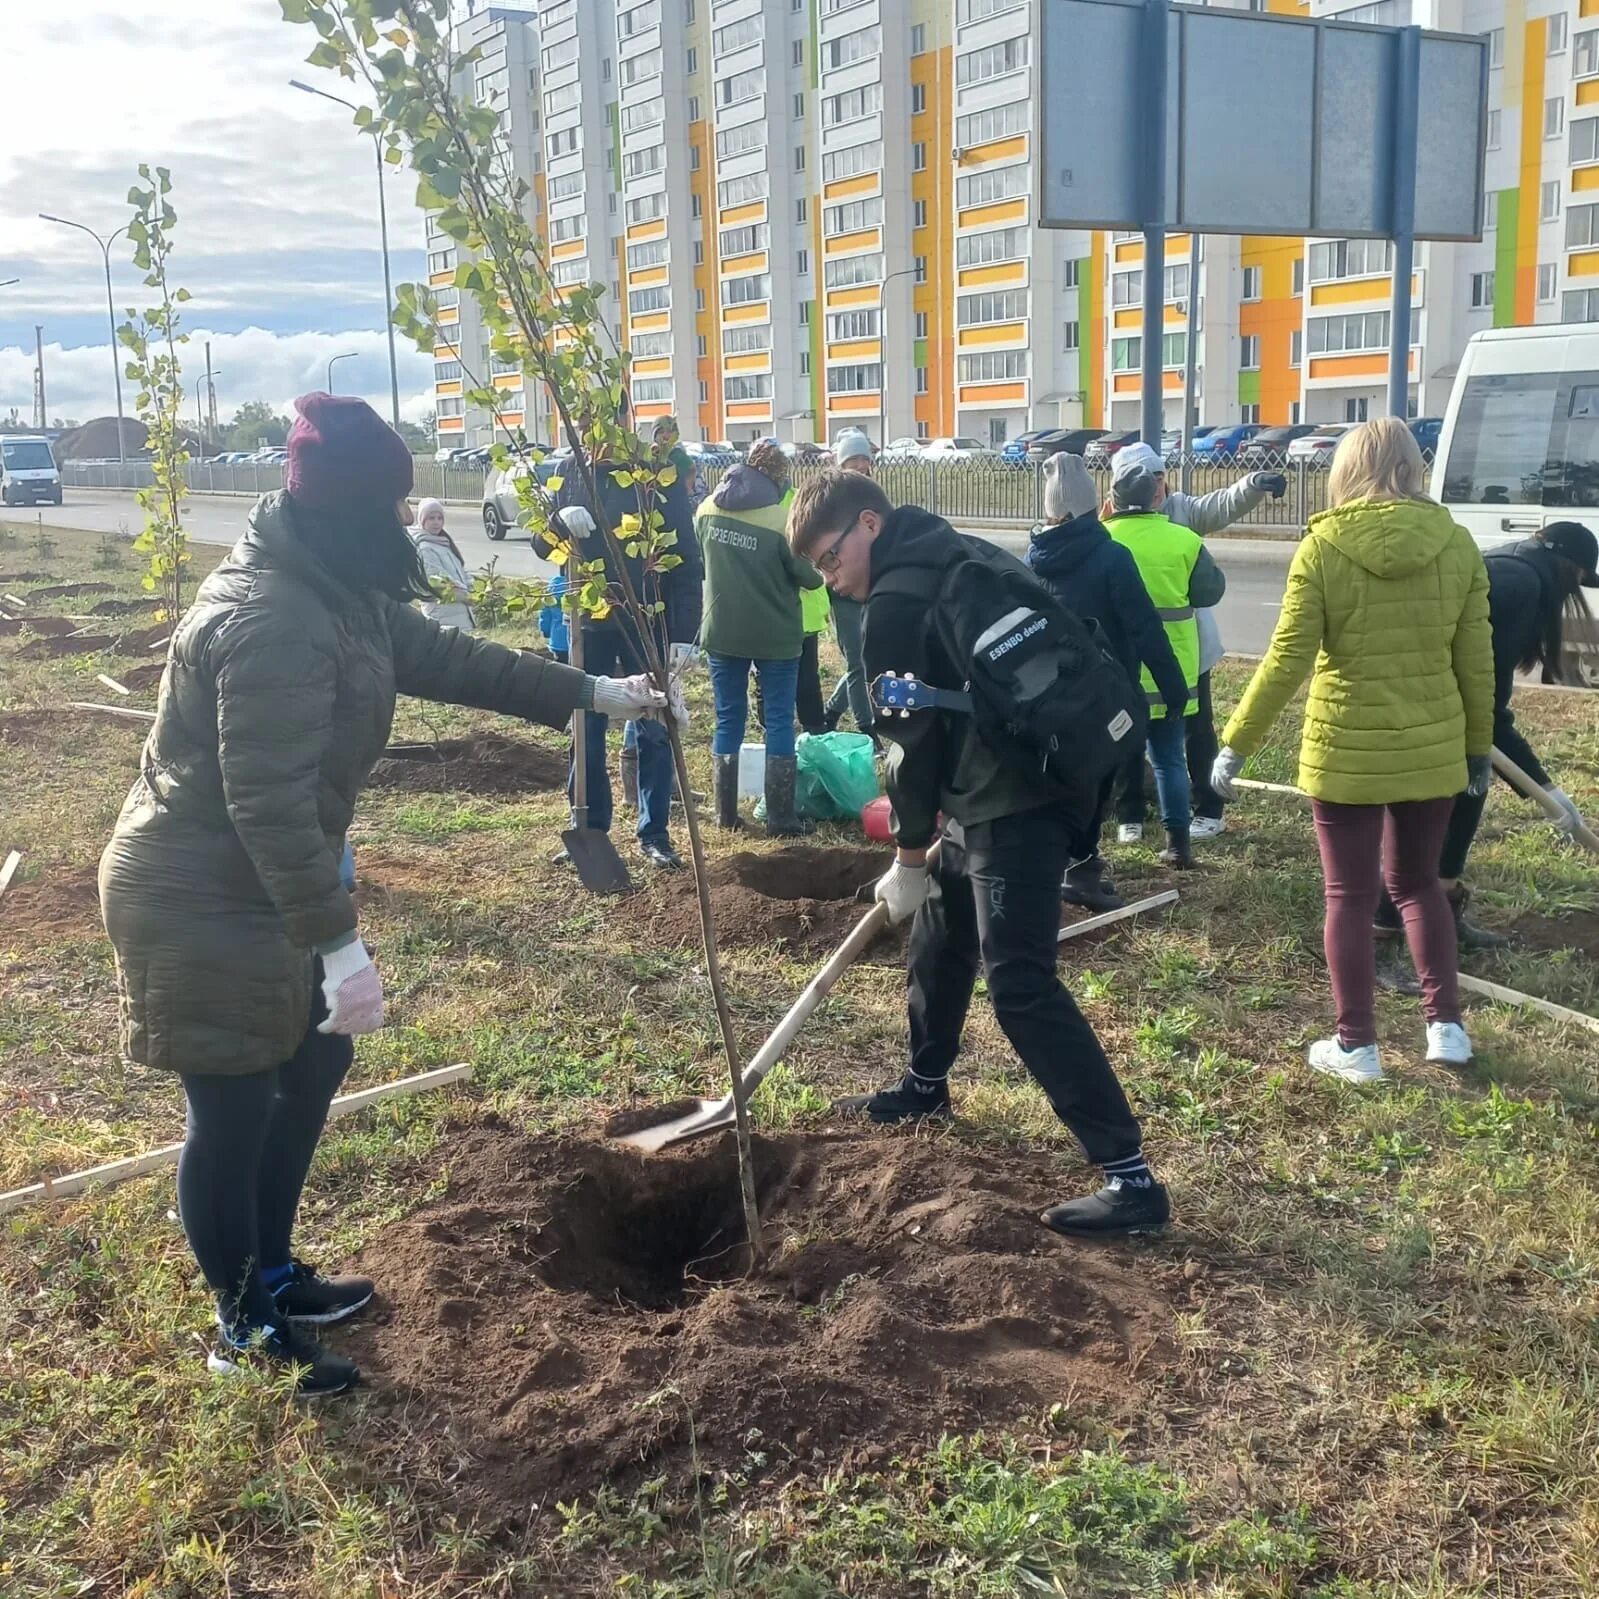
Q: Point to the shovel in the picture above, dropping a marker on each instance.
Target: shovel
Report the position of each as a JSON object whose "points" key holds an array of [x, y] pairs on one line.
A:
{"points": [[599, 868]]}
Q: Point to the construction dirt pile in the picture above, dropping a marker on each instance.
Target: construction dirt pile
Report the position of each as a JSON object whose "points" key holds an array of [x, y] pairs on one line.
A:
{"points": [[909, 1291], [801, 896], [484, 764], [96, 440]]}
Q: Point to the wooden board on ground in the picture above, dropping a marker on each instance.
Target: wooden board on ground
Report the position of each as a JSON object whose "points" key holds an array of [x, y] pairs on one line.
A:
{"points": [[9, 870], [1105, 918], [125, 711], [1511, 996]]}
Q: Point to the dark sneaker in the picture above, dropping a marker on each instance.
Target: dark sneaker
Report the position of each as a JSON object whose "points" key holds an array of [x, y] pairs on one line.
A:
{"points": [[1467, 933], [310, 1297], [1178, 852], [909, 1100], [1088, 883], [1118, 1208], [661, 856], [320, 1373]]}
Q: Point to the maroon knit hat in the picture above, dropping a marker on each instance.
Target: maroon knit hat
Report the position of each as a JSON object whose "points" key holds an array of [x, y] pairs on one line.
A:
{"points": [[342, 453]]}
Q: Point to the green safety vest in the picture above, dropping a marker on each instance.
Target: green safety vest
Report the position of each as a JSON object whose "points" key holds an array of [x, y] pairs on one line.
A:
{"points": [[1166, 555]]}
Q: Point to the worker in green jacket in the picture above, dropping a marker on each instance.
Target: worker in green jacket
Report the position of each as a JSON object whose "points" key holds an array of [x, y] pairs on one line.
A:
{"points": [[1180, 575], [1386, 612]]}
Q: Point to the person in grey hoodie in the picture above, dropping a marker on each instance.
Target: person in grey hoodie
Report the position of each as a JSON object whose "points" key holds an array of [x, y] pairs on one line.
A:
{"points": [[1203, 514]]}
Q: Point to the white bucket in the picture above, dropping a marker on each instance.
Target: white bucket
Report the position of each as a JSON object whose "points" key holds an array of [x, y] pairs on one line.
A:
{"points": [[751, 771]]}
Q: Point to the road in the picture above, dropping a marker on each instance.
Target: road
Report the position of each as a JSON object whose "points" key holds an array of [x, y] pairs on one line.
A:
{"points": [[1256, 568]]}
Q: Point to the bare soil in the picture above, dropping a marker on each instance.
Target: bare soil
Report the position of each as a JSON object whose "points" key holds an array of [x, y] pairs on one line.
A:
{"points": [[482, 764], [141, 638], [65, 644], [138, 677], [909, 1291], [122, 607], [65, 903], [69, 591], [1577, 930]]}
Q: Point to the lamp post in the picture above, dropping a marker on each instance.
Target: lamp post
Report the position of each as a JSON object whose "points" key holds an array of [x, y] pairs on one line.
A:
{"points": [[111, 310], [349, 355], [5, 283], [200, 382], [383, 228], [882, 348]]}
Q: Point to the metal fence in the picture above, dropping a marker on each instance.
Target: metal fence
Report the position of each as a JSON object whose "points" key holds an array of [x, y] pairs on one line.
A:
{"points": [[976, 492]]}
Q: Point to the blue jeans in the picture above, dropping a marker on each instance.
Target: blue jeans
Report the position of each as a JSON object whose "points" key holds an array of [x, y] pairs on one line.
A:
{"points": [[1168, 754], [730, 689], [604, 655]]}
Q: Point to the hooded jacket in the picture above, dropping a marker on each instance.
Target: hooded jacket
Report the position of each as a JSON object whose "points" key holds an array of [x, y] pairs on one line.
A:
{"points": [[222, 875], [1386, 611], [1095, 577], [1205, 514], [936, 760]]}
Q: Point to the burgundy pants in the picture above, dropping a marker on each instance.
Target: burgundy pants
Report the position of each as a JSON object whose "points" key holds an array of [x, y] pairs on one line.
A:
{"points": [[1362, 847]]}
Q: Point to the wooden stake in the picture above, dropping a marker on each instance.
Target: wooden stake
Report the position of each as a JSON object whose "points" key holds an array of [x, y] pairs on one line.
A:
{"points": [[1269, 788], [111, 683], [9, 870], [126, 712], [118, 1171], [1511, 996], [1105, 918]]}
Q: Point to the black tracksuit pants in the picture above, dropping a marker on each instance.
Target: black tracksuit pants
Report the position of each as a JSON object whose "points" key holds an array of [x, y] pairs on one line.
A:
{"points": [[999, 909]]}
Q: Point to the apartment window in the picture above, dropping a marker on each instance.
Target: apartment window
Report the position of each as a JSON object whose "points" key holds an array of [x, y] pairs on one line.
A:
{"points": [[693, 158], [1252, 283], [797, 53], [640, 301], [1482, 291], [446, 371], [805, 363], [1127, 288], [805, 312], [998, 122], [1249, 352], [799, 107], [449, 405], [802, 262], [921, 324], [694, 205], [741, 240], [843, 326], [1547, 273], [740, 341], [446, 299], [852, 160], [1294, 417], [1554, 117], [1496, 47], [919, 39], [1174, 284], [638, 19], [1003, 244], [849, 48], [1557, 33], [1579, 305], [745, 137], [747, 386], [801, 209], [995, 305], [560, 55], [563, 143], [688, 10], [651, 391], [840, 272], [699, 299], [643, 115], [691, 61], [639, 163], [1584, 53], [441, 261], [1001, 183], [1296, 347], [1549, 201], [651, 253], [1071, 337], [921, 380], [736, 35], [746, 291], [852, 105], [1582, 227], [1126, 355], [920, 265], [737, 191], [918, 99], [1331, 335], [646, 344], [694, 108], [563, 99], [1249, 413], [852, 216], [1494, 129], [992, 61], [699, 253], [919, 214], [647, 207], [919, 156], [799, 157], [741, 86], [1585, 139], [1299, 275], [635, 69], [923, 431], [856, 378], [1490, 209], [1350, 258], [1357, 409]]}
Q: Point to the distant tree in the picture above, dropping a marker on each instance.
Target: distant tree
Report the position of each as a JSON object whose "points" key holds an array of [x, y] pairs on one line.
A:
{"points": [[415, 436], [254, 422]]}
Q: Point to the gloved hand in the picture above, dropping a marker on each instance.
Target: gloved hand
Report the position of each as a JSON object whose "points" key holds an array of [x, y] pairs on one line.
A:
{"points": [[578, 521], [626, 697], [1227, 765], [903, 889], [352, 990], [676, 704], [1479, 774], [1573, 816], [1272, 483]]}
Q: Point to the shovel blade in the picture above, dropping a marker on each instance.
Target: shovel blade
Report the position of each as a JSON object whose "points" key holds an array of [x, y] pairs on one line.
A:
{"points": [[712, 1116], [599, 868]]}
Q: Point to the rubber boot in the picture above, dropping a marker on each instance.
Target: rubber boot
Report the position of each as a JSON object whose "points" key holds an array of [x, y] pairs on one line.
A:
{"points": [[782, 821], [726, 768], [629, 765], [1177, 851], [1467, 934], [1087, 883]]}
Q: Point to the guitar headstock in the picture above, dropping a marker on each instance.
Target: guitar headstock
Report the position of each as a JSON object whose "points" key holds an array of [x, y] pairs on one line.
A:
{"points": [[903, 693]]}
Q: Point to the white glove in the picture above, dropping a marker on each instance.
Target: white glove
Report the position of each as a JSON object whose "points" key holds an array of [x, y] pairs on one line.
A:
{"points": [[626, 697], [352, 990], [1573, 817], [1227, 765], [676, 703], [903, 889], [577, 521]]}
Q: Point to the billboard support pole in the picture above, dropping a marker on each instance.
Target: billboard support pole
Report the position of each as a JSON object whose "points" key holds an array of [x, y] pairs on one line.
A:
{"points": [[1407, 101], [1154, 76]]}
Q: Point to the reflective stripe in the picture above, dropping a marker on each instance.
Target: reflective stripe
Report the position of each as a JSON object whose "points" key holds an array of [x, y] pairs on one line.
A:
{"points": [[1176, 613], [1000, 628]]}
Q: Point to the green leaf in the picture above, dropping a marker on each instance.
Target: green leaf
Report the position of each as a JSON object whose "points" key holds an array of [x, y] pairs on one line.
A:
{"points": [[182, 295], [295, 10], [554, 485], [394, 157]]}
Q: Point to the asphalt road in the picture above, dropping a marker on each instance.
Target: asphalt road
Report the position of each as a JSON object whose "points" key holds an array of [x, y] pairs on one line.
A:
{"points": [[1256, 568]]}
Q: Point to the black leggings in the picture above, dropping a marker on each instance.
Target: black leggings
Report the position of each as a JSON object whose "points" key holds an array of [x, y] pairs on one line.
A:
{"points": [[247, 1147]]}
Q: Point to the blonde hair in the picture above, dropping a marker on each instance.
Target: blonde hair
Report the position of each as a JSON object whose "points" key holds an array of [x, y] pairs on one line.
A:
{"points": [[1377, 461]]}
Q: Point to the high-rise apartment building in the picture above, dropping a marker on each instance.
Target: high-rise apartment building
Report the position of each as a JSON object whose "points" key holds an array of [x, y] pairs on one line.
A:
{"points": [[822, 213]]}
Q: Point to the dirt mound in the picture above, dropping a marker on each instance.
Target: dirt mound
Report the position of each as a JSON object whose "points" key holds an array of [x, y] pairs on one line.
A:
{"points": [[142, 638], [64, 644], [1573, 930], [68, 591], [22, 577], [44, 626], [142, 676], [800, 896], [909, 1292], [64, 903], [483, 764], [122, 607]]}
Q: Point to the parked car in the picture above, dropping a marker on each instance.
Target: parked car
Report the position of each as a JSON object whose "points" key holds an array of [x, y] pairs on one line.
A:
{"points": [[28, 471], [1102, 451], [906, 449], [704, 454], [957, 449], [805, 452], [502, 506], [1427, 431], [1223, 443], [272, 455], [1316, 447], [1045, 442], [1269, 447], [1171, 441]]}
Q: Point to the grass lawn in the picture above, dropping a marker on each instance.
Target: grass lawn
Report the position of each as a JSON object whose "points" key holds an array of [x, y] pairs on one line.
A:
{"points": [[1361, 1364]]}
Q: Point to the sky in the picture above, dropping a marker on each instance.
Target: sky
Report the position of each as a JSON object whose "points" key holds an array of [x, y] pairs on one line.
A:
{"points": [[276, 195]]}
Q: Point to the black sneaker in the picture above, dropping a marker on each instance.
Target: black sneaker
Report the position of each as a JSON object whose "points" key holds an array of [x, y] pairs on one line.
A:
{"points": [[320, 1373], [909, 1100], [310, 1297], [1116, 1209], [1087, 883], [662, 856]]}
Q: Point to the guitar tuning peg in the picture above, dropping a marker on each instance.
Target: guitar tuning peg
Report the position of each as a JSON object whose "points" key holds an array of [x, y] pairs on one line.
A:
{"points": [[906, 715]]}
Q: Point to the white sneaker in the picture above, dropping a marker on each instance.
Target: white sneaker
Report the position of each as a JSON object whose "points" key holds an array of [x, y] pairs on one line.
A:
{"points": [[1448, 1044], [1130, 833], [1362, 1065], [1207, 827]]}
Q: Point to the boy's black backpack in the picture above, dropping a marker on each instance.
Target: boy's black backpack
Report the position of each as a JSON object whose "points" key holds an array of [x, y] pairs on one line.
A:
{"points": [[1042, 685]]}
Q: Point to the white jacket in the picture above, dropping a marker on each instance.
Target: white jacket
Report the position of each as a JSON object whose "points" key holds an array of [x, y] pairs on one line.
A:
{"points": [[1211, 513], [440, 561]]}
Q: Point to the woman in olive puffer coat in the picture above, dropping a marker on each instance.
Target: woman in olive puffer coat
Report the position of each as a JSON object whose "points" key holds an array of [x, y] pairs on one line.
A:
{"points": [[1386, 611], [239, 964]]}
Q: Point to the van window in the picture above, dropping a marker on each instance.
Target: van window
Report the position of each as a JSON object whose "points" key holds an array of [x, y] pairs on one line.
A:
{"points": [[27, 455], [1528, 438]]}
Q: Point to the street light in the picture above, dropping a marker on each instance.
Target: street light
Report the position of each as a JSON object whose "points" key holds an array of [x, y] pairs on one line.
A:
{"points": [[349, 355], [882, 350], [5, 283], [111, 310], [383, 228], [199, 406]]}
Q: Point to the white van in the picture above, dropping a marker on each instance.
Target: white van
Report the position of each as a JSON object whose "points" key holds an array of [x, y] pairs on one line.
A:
{"points": [[1520, 445], [28, 471]]}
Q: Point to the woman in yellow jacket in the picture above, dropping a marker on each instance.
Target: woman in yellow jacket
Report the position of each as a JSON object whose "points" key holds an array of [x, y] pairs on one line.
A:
{"points": [[1387, 612]]}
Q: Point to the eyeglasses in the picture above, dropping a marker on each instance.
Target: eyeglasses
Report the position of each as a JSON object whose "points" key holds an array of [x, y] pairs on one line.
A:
{"points": [[828, 560]]}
